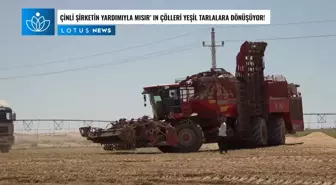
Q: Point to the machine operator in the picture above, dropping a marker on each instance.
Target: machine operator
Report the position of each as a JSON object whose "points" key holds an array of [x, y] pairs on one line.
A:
{"points": [[222, 136]]}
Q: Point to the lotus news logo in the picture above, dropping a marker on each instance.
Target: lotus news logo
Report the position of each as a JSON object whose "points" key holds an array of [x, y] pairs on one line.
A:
{"points": [[38, 21]]}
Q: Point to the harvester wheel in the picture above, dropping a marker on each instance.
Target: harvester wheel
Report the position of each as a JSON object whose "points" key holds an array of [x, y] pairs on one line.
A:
{"points": [[276, 132], [259, 132], [164, 149], [190, 136]]}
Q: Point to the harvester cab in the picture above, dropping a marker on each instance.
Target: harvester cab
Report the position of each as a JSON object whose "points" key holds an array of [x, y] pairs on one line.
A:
{"points": [[164, 99]]}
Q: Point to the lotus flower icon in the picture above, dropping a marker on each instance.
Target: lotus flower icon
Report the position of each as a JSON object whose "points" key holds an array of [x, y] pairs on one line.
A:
{"points": [[38, 23]]}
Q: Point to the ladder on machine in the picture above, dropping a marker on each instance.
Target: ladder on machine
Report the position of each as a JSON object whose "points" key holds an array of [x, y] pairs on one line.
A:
{"points": [[250, 86]]}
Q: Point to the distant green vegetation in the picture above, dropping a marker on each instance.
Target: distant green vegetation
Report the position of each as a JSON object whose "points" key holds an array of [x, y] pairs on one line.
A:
{"points": [[330, 132]]}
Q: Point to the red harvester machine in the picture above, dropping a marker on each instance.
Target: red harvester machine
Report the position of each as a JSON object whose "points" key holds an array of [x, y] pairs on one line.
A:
{"points": [[260, 110]]}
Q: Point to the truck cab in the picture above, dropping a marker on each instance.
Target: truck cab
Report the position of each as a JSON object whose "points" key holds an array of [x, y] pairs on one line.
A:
{"points": [[7, 118]]}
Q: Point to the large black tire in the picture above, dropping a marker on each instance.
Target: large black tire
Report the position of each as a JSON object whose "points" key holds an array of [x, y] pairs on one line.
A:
{"points": [[191, 137], [164, 149], [259, 132], [276, 131]]}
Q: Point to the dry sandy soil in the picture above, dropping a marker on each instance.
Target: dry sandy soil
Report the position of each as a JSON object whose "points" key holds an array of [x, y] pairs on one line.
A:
{"points": [[45, 162]]}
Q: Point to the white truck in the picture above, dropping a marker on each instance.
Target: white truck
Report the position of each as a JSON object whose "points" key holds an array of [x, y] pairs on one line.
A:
{"points": [[7, 118]]}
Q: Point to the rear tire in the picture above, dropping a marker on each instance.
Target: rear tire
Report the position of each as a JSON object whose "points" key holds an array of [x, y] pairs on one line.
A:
{"points": [[276, 132], [191, 137], [259, 132]]}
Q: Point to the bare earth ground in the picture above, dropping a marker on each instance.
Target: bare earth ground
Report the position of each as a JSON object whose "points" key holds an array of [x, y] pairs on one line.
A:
{"points": [[60, 160]]}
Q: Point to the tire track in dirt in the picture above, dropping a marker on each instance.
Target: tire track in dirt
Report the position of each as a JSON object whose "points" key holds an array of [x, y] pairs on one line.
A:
{"points": [[285, 159], [261, 175], [233, 179]]}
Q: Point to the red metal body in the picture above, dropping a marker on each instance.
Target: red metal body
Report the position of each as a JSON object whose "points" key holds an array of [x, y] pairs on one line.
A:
{"points": [[259, 109], [214, 96]]}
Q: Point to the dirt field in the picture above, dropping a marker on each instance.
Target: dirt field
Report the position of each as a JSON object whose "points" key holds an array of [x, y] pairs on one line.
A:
{"points": [[313, 162]]}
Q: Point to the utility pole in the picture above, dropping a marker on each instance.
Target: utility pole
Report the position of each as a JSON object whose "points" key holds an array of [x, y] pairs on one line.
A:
{"points": [[213, 48]]}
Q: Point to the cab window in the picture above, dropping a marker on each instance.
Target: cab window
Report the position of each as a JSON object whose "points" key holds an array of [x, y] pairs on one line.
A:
{"points": [[157, 99]]}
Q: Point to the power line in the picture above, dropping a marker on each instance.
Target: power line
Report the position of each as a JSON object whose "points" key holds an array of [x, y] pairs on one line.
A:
{"points": [[155, 54], [97, 54], [124, 61], [160, 41]]}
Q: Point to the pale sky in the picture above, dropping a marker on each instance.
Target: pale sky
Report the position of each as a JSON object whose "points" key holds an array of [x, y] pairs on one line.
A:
{"points": [[115, 91]]}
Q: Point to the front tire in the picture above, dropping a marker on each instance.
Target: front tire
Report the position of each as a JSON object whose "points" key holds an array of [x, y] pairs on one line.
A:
{"points": [[164, 149], [259, 132], [191, 137]]}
